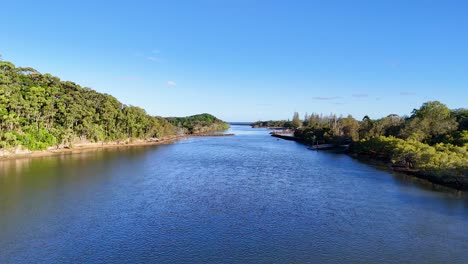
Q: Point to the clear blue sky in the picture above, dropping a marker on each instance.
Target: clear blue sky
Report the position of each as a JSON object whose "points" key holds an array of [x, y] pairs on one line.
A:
{"points": [[247, 60]]}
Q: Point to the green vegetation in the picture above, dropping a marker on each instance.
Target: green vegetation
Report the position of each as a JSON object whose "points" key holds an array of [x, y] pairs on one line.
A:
{"points": [[328, 129], [296, 121], [442, 163], [273, 124], [432, 142], [430, 123], [203, 123], [38, 111]]}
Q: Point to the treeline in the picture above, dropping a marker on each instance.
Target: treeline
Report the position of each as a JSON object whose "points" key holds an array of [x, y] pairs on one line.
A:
{"points": [[272, 124], [432, 123], [433, 140], [202, 123], [38, 111], [432, 143]]}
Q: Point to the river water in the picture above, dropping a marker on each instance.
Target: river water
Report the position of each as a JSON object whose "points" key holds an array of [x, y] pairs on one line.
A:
{"points": [[249, 198]]}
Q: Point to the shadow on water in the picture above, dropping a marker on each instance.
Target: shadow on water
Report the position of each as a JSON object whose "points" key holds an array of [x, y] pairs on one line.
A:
{"points": [[23, 178], [409, 180], [400, 178], [27, 165]]}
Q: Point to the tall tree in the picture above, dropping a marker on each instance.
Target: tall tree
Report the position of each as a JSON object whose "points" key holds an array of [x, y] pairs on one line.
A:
{"points": [[432, 119], [296, 120]]}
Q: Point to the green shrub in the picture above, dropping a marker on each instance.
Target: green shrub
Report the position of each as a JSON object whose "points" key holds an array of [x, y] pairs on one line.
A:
{"points": [[36, 139], [439, 160]]}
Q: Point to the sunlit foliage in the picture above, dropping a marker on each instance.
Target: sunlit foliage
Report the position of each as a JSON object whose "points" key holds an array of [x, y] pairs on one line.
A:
{"points": [[38, 111], [201, 123]]}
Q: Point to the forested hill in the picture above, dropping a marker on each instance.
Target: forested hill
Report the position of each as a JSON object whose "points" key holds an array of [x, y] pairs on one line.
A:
{"points": [[198, 123], [38, 111]]}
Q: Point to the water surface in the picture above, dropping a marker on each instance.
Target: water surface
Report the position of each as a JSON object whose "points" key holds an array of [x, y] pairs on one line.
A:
{"points": [[244, 199]]}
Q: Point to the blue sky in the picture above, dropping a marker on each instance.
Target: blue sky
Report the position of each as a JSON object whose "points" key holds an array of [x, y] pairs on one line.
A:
{"points": [[249, 60]]}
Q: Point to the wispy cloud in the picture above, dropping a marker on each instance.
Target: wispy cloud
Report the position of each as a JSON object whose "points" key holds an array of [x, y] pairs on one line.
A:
{"points": [[406, 93], [360, 95], [153, 55], [152, 58], [171, 83], [325, 98]]}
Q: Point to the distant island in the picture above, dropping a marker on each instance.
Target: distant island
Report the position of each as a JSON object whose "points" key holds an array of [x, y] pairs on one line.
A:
{"points": [[431, 143], [41, 112]]}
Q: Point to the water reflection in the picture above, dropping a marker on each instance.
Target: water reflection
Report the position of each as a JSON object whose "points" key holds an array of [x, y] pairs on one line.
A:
{"points": [[242, 199]]}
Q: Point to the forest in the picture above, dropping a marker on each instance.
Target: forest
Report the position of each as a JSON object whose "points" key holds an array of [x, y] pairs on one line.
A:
{"points": [[432, 141], [201, 123], [38, 111]]}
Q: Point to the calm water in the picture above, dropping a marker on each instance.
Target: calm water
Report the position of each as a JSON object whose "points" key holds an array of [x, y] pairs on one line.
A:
{"points": [[243, 199]]}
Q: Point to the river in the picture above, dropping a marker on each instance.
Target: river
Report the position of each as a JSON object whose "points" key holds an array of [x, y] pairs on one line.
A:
{"points": [[249, 198]]}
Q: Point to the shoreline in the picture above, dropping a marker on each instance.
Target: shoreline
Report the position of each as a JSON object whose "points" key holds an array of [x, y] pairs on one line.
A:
{"points": [[452, 183], [456, 183], [78, 148]]}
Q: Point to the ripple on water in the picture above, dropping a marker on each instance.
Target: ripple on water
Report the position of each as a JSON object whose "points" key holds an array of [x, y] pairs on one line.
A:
{"points": [[243, 199]]}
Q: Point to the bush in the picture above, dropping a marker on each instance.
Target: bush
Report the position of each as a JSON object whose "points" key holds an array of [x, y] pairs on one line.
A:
{"points": [[36, 139], [438, 160]]}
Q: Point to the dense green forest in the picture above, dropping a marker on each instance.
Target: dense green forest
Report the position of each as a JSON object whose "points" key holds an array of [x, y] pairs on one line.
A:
{"points": [[432, 141], [38, 111], [201, 123]]}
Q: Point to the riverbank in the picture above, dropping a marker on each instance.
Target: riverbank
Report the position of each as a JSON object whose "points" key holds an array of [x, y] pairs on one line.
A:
{"points": [[78, 148], [288, 137], [458, 182]]}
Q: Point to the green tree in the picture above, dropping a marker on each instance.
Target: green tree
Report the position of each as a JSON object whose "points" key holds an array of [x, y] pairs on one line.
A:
{"points": [[296, 120], [431, 120], [38, 111], [349, 128]]}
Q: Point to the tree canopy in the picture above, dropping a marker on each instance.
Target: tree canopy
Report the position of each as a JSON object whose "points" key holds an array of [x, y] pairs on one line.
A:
{"points": [[201, 123], [296, 121], [431, 120], [38, 111], [433, 140]]}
